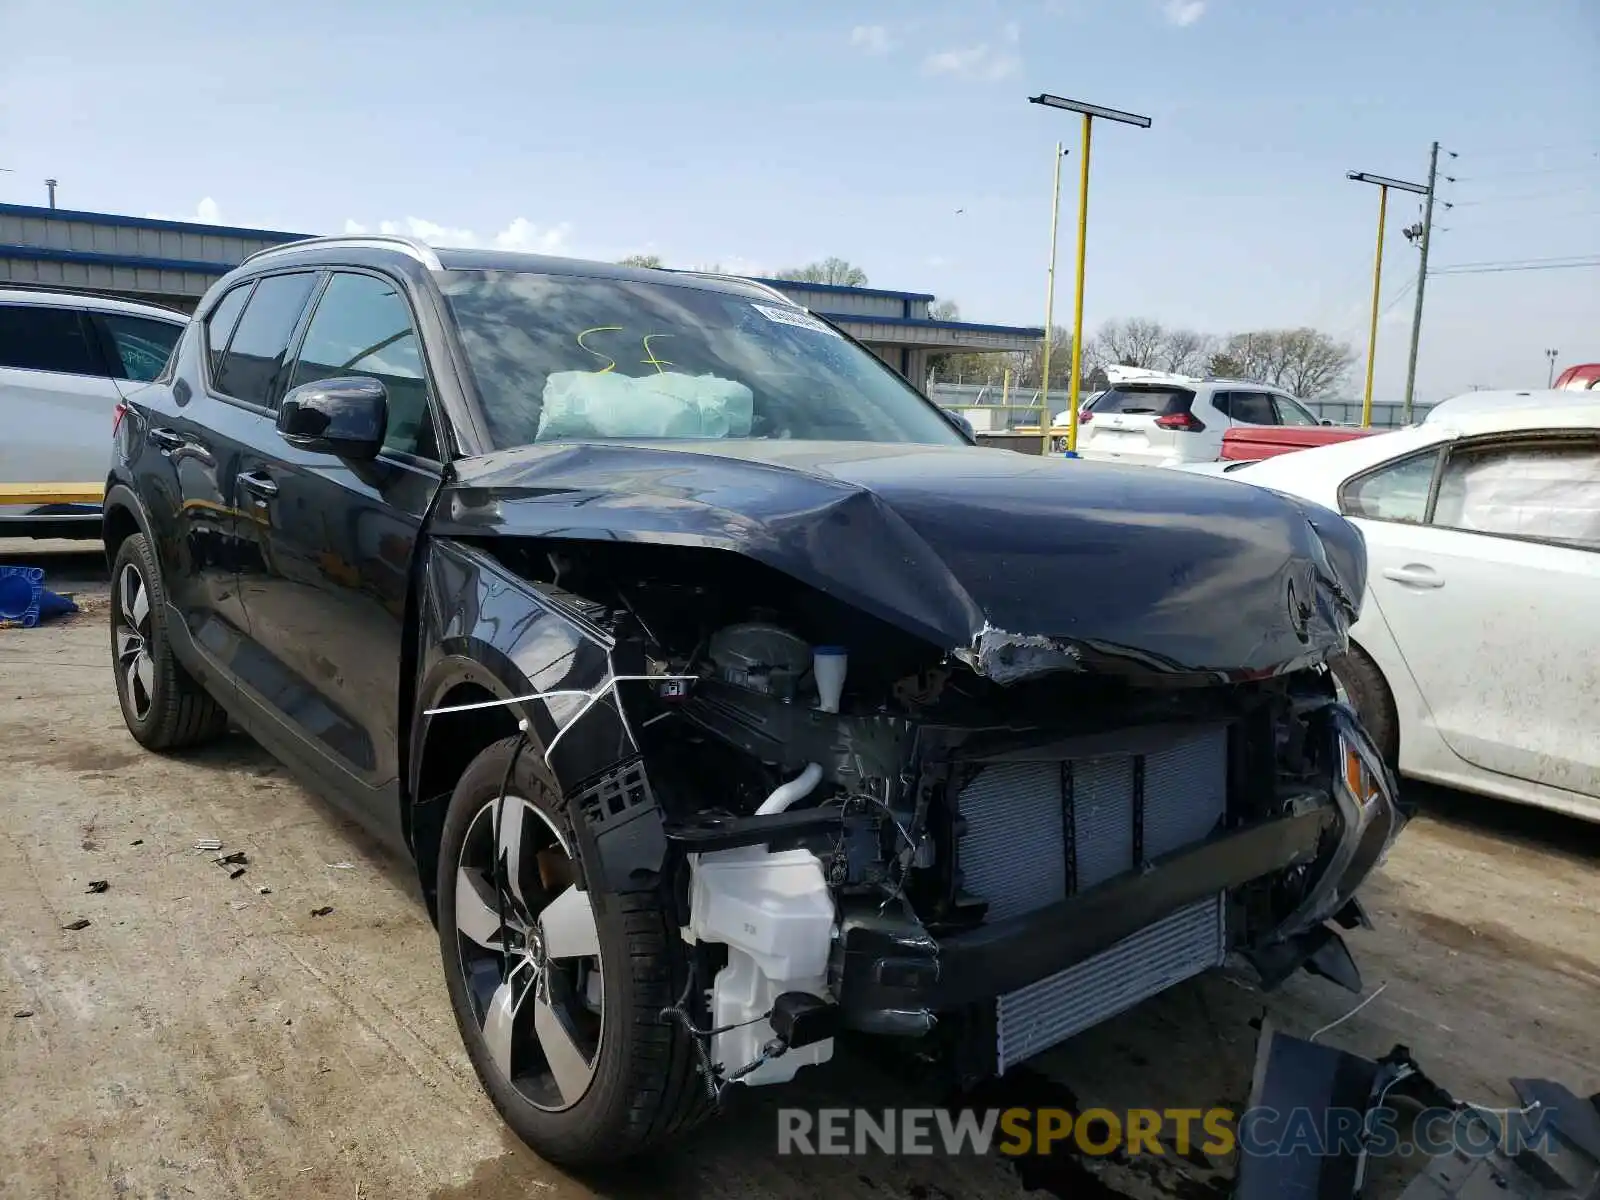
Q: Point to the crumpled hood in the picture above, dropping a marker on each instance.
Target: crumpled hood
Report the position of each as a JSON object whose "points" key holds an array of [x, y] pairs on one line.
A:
{"points": [[1017, 565]]}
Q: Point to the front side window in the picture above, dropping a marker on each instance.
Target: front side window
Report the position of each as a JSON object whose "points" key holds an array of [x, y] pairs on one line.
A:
{"points": [[254, 356], [143, 346], [1545, 491], [569, 357], [362, 326], [1396, 491], [1290, 413], [36, 338]]}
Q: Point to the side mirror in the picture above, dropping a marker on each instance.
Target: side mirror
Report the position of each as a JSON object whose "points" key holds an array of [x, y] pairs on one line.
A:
{"points": [[960, 421], [346, 417], [1326, 421]]}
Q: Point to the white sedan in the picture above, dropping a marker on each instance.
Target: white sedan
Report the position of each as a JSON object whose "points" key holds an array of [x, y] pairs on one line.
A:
{"points": [[1476, 661]]}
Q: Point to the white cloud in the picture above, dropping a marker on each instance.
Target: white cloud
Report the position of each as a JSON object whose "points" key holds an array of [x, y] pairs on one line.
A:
{"points": [[874, 39], [206, 212], [520, 234], [982, 61], [1183, 13]]}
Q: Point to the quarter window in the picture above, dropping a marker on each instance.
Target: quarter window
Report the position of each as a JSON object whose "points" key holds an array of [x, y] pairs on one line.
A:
{"points": [[254, 357], [1547, 491], [362, 326], [36, 338], [143, 346], [219, 325], [1395, 492]]}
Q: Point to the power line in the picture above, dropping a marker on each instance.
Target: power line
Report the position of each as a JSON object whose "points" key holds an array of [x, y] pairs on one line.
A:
{"points": [[1513, 199], [1523, 174], [1499, 268], [1527, 151]]}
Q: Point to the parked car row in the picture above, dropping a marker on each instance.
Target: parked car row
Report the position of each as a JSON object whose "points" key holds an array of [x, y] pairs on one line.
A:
{"points": [[66, 360]]}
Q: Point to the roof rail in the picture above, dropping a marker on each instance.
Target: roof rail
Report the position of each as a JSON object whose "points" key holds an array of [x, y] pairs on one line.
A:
{"points": [[745, 279], [417, 249]]}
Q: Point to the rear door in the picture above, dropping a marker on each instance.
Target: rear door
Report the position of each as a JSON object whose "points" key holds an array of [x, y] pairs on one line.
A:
{"points": [[1492, 597], [326, 598], [56, 398], [1142, 423]]}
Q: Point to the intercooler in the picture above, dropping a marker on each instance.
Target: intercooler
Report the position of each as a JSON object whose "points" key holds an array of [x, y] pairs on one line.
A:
{"points": [[1036, 832]]}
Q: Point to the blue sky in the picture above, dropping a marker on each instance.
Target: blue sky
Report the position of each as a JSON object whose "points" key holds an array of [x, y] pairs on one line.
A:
{"points": [[760, 135]]}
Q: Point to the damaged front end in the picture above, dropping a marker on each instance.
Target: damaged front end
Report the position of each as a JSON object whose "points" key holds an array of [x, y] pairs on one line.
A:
{"points": [[872, 802]]}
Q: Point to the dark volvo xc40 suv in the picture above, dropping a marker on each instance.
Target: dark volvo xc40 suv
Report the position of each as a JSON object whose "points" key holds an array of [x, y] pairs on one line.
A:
{"points": [[731, 703]]}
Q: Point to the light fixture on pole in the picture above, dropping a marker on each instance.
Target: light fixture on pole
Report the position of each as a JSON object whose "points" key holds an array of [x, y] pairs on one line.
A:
{"points": [[1550, 379], [1089, 113], [1383, 183]]}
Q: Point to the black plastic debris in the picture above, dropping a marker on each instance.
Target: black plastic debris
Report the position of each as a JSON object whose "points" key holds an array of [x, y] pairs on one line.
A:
{"points": [[137, 842], [233, 858], [22, 1013], [323, 911], [96, 886], [235, 873], [80, 923]]}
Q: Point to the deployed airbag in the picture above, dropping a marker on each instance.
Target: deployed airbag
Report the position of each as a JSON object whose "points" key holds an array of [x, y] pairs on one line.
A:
{"points": [[580, 404]]}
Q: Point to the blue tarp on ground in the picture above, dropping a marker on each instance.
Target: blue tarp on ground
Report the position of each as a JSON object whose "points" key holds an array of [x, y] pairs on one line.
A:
{"points": [[25, 601]]}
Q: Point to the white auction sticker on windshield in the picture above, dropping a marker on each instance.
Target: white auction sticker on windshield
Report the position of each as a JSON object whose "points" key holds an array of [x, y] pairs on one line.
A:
{"points": [[796, 317]]}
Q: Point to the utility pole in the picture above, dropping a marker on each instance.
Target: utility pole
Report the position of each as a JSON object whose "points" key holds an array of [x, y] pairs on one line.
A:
{"points": [[1422, 283], [1383, 184], [1049, 311], [51, 184]]}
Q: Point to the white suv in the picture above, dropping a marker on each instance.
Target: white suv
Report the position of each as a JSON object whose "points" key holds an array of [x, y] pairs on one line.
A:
{"points": [[1155, 419], [66, 361]]}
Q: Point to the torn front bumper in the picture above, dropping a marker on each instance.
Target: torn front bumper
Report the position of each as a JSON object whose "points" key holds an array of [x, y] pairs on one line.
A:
{"points": [[891, 976]]}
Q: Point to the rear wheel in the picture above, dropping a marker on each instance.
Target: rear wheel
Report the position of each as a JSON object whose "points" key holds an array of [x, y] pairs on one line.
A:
{"points": [[162, 704], [557, 992], [1360, 684]]}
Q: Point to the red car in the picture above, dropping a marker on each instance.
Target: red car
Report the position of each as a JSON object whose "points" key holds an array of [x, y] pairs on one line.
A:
{"points": [[1253, 442]]}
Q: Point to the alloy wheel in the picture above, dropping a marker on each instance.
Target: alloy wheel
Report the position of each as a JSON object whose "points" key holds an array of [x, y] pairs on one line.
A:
{"points": [[136, 667], [530, 953]]}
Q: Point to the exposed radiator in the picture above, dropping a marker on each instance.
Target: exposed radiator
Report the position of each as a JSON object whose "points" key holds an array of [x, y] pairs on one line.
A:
{"points": [[1119, 809], [1037, 832], [1180, 945]]}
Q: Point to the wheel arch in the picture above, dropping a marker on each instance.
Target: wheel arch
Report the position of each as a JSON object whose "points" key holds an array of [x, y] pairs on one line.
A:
{"points": [[121, 517]]}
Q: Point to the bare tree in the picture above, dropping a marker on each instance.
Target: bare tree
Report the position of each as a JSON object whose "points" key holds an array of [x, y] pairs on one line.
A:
{"points": [[1303, 361], [944, 310], [1186, 351], [829, 270], [640, 260], [1135, 342]]}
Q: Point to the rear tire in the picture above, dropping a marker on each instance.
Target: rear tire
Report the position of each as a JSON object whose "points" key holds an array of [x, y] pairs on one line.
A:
{"points": [[164, 707], [638, 1085], [1367, 692]]}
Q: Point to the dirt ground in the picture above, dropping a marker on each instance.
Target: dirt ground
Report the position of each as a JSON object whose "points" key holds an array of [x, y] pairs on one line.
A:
{"points": [[209, 1036]]}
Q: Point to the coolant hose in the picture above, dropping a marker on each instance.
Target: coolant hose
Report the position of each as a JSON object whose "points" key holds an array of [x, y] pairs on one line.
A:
{"points": [[786, 794]]}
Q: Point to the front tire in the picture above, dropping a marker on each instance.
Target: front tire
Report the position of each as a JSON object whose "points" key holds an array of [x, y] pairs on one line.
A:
{"points": [[164, 707], [558, 992], [1364, 689]]}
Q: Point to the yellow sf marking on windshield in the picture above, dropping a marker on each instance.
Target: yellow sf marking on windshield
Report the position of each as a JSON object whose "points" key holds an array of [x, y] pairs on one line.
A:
{"points": [[658, 363], [611, 363]]}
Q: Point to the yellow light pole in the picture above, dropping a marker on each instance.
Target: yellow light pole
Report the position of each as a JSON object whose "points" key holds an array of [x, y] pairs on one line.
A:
{"points": [[1050, 308], [1383, 183], [1089, 112]]}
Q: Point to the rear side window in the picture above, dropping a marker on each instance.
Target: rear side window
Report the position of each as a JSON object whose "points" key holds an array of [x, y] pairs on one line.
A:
{"points": [[142, 345], [1290, 413], [1250, 408], [1157, 401], [254, 357], [35, 338], [219, 325]]}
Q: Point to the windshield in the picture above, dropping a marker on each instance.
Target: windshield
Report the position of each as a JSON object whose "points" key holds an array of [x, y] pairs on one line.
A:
{"points": [[571, 357]]}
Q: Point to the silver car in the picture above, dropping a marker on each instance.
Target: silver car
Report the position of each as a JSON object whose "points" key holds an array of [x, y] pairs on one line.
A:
{"points": [[66, 362]]}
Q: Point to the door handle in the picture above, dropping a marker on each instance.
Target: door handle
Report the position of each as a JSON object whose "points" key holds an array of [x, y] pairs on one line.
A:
{"points": [[258, 485], [165, 439], [1416, 575]]}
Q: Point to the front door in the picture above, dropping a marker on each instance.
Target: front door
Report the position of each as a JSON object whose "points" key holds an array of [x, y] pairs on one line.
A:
{"points": [[1492, 600], [326, 599]]}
